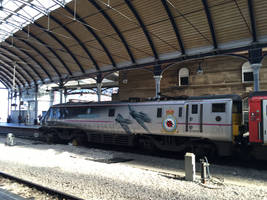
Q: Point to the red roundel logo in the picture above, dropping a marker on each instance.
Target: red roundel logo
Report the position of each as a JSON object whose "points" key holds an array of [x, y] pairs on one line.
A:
{"points": [[169, 123]]}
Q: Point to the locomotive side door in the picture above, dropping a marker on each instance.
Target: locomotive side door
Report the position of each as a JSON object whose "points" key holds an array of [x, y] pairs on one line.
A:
{"points": [[194, 115], [264, 114]]}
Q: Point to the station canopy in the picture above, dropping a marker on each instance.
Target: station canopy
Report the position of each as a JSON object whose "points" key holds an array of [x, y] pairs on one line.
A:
{"points": [[45, 41]]}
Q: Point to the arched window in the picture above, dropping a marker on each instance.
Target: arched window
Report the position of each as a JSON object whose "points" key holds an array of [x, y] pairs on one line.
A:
{"points": [[247, 73], [183, 76]]}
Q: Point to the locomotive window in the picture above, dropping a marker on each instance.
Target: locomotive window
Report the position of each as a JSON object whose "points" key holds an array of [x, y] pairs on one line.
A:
{"points": [[159, 112], [180, 112], [54, 114], [76, 112], [237, 107], [194, 108], [218, 107], [111, 112]]}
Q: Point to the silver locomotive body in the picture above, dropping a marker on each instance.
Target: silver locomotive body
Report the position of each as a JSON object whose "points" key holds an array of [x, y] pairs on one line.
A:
{"points": [[206, 119]]}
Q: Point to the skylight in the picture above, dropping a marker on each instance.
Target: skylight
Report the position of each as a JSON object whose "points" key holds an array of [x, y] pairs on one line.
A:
{"points": [[16, 14]]}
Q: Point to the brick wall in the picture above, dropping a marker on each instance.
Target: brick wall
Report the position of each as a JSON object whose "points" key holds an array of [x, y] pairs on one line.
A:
{"points": [[221, 75]]}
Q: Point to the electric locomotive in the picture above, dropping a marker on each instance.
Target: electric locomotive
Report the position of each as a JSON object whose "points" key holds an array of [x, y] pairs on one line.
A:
{"points": [[255, 117], [205, 125]]}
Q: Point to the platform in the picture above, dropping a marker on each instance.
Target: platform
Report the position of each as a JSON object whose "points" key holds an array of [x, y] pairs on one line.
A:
{"points": [[20, 130], [21, 125], [6, 195]]}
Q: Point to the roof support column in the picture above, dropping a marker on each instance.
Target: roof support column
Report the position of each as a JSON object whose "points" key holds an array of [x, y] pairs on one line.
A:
{"points": [[61, 89], [65, 95], [255, 58], [8, 106], [15, 100], [19, 117], [99, 87], [256, 68], [157, 76], [35, 105], [52, 97], [61, 95]]}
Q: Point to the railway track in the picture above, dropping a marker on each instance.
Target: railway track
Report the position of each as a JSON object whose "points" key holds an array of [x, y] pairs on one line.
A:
{"points": [[55, 194]]}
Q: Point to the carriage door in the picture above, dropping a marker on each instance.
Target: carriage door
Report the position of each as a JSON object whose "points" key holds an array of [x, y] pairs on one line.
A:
{"points": [[264, 114], [195, 117]]}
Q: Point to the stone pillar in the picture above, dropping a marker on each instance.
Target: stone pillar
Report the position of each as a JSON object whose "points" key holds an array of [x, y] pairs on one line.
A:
{"points": [[36, 104], [190, 167], [256, 68], [157, 80]]}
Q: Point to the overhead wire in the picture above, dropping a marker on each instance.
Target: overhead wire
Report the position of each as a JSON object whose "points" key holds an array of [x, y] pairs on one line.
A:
{"points": [[136, 23], [101, 31], [32, 40], [242, 15], [188, 21]]}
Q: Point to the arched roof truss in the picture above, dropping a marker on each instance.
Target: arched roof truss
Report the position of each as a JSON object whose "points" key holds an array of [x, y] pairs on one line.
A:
{"points": [[57, 40]]}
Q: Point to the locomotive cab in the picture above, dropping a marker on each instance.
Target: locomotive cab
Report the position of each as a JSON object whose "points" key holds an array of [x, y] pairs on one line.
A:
{"points": [[257, 117]]}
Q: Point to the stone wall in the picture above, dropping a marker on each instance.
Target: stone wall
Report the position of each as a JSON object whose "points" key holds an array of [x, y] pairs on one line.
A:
{"points": [[221, 75]]}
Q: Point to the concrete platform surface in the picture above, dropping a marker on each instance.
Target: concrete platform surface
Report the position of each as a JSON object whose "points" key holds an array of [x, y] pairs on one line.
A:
{"points": [[16, 125]]}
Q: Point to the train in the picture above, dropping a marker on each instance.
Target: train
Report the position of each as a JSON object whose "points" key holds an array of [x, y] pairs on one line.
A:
{"points": [[214, 125]]}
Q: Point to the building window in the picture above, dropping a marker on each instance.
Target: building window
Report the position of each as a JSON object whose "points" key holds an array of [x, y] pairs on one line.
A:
{"points": [[248, 76], [183, 76], [247, 73]]}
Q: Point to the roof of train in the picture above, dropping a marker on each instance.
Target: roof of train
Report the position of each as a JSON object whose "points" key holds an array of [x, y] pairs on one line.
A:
{"points": [[258, 93], [225, 96], [173, 100]]}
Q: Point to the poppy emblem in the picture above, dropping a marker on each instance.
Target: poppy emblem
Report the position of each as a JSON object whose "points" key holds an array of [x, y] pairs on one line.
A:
{"points": [[169, 123]]}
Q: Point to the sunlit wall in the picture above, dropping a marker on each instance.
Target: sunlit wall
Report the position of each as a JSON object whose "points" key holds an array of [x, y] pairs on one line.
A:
{"points": [[3, 103]]}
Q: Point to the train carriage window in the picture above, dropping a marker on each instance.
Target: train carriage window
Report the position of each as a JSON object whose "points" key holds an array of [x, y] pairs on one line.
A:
{"points": [[159, 112], [111, 112], [194, 109], [218, 107], [180, 112]]}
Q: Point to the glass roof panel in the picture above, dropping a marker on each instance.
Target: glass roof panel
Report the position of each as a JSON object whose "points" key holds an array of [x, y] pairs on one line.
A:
{"points": [[10, 5], [17, 14]]}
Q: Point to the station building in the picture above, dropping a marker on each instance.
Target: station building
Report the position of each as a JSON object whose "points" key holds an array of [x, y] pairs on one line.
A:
{"points": [[209, 76]]}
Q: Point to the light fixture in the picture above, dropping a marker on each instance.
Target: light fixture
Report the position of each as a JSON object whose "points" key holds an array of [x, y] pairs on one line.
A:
{"points": [[124, 78], [199, 70]]}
